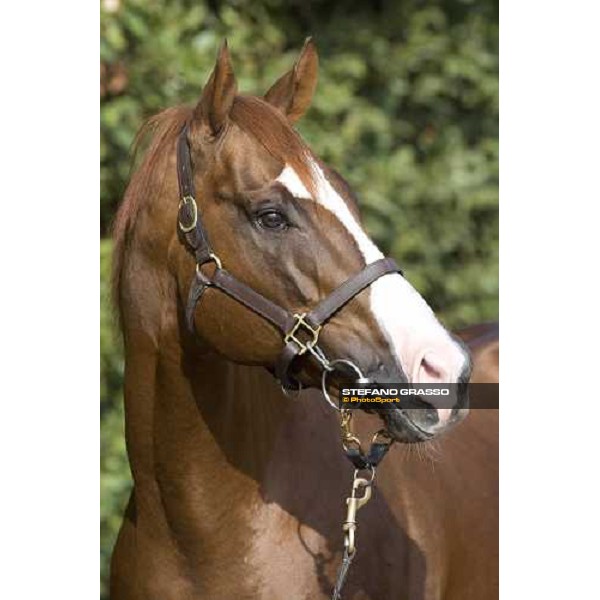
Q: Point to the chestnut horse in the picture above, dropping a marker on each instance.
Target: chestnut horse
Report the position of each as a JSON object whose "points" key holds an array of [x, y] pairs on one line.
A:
{"points": [[238, 488]]}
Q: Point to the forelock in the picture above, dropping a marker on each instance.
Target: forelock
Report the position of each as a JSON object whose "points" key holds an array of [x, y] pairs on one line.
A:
{"points": [[272, 130]]}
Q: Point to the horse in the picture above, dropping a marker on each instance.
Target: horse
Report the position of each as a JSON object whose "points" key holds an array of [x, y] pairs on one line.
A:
{"points": [[239, 483]]}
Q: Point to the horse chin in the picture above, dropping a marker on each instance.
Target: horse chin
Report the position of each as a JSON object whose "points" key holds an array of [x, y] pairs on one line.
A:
{"points": [[416, 426]]}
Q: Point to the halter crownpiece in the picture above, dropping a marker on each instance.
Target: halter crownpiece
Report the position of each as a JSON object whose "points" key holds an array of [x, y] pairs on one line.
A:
{"points": [[300, 331]]}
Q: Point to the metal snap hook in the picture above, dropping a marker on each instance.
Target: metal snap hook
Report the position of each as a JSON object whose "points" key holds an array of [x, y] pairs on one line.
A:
{"points": [[355, 502]]}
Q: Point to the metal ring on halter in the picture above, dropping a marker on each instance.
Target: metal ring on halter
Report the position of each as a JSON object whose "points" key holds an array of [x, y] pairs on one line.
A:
{"points": [[190, 201], [212, 258], [216, 260], [332, 364]]}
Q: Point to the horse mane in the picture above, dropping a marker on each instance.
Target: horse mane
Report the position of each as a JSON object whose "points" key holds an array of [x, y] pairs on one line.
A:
{"points": [[162, 129], [254, 115]]}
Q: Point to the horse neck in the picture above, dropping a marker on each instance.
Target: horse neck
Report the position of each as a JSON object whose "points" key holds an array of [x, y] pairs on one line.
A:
{"points": [[181, 398], [185, 403], [218, 452], [204, 436]]}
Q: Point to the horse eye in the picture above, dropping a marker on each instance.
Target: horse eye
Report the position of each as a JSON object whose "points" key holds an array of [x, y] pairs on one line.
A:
{"points": [[272, 219]]}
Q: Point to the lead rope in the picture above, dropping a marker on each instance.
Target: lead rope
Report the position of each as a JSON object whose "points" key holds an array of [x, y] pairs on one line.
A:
{"points": [[380, 444], [362, 461], [342, 573]]}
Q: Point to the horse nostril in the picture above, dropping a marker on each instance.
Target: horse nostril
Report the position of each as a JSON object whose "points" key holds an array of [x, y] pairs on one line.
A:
{"points": [[430, 370]]}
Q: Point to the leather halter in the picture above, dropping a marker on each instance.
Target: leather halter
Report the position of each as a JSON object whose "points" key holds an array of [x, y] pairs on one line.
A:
{"points": [[300, 331]]}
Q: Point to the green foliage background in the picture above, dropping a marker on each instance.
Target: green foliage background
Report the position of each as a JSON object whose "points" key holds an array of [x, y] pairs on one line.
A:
{"points": [[406, 109]]}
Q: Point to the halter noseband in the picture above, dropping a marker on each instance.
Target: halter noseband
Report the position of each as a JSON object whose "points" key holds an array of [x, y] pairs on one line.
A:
{"points": [[300, 331]]}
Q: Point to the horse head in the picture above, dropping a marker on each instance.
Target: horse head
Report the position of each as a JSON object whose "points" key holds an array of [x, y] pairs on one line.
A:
{"points": [[288, 227]]}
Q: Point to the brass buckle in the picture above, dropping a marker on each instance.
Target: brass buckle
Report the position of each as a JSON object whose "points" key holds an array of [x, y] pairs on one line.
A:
{"points": [[192, 202], [212, 257], [291, 336]]}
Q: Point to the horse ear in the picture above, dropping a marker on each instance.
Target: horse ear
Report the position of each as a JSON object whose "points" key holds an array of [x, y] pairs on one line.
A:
{"points": [[292, 93], [218, 93]]}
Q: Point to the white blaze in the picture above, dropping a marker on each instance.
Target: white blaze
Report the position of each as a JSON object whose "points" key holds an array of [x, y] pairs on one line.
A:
{"points": [[405, 319]]}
